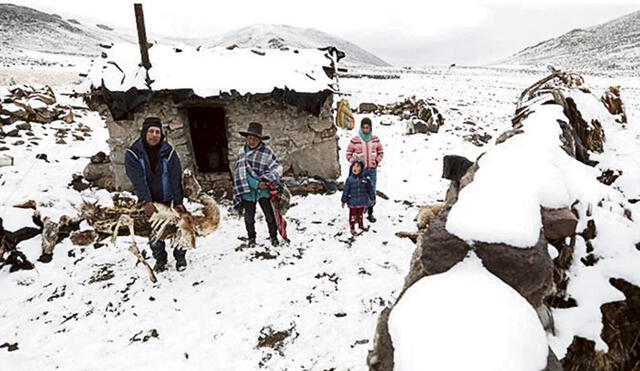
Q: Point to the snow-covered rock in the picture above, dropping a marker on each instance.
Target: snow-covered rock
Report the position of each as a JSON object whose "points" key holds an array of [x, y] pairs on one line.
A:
{"points": [[466, 319]]}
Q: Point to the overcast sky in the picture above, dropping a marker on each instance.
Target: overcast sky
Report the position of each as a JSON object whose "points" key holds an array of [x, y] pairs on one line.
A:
{"points": [[402, 32]]}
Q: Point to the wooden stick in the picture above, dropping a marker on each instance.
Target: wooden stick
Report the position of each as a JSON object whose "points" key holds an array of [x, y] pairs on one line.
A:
{"points": [[133, 248], [142, 36]]}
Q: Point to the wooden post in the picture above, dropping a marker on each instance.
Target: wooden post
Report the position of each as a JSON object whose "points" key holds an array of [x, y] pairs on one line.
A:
{"points": [[142, 36]]}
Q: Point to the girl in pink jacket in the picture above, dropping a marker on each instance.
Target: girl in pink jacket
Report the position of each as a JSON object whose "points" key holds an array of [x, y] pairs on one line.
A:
{"points": [[367, 148]]}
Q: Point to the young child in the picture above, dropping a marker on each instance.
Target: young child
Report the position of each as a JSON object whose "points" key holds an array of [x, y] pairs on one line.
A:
{"points": [[358, 194]]}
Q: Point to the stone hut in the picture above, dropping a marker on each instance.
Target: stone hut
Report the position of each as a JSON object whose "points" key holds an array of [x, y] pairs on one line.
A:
{"points": [[205, 96]]}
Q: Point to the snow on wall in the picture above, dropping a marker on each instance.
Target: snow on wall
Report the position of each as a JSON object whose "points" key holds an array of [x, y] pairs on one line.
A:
{"points": [[466, 319], [528, 171], [210, 71]]}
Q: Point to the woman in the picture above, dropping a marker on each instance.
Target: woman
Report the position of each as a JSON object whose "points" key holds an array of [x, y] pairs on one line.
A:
{"points": [[256, 167], [367, 148]]}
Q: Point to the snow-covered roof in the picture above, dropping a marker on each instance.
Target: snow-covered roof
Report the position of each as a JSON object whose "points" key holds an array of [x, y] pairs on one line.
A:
{"points": [[210, 72]]}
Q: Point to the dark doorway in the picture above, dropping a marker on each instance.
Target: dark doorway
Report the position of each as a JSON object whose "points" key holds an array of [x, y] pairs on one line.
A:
{"points": [[209, 138]]}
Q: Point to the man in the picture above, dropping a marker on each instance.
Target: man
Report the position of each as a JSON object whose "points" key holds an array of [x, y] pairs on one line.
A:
{"points": [[154, 168], [367, 148], [256, 167]]}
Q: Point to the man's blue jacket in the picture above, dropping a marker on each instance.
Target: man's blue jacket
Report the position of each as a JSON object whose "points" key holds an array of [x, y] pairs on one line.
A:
{"points": [[164, 184]]}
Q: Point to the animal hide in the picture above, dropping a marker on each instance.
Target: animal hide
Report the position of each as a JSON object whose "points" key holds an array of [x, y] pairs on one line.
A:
{"points": [[427, 213], [166, 223]]}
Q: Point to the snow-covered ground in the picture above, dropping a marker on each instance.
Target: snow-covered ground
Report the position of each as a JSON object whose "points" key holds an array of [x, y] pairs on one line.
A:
{"points": [[312, 304]]}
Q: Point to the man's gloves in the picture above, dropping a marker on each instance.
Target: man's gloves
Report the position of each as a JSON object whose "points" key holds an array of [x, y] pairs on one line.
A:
{"points": [[149, 208]]}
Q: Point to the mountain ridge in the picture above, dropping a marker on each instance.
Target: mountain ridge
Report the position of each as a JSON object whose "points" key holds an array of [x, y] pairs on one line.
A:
{"points": [[613, 45], [272, 36], [32, 37]]}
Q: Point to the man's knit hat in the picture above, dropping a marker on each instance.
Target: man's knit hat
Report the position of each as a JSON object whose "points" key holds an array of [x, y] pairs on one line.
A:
{"points": [[149, 122]]}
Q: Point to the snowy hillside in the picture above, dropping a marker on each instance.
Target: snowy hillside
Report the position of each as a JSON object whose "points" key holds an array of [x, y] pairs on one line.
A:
{"points": [[33, 38], [614, 45], [309, 305], [278, 36]]}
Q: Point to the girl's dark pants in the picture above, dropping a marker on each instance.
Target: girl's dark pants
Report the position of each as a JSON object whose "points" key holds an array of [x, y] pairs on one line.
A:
{"points": [[355, 216]]}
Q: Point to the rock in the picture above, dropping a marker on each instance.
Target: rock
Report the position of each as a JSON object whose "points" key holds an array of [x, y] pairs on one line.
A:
{"points": [[612, 101], [621, 326], [469, 175], [100, 175], [95, 171], [13, 133], [440, 249], [380, 358], [42, 156], [558, 223], [18, 261], [508, 134], [478, 139], [588, 135], [78, 183], [620, 329], [528, 271], [367, 107], [107, 183], [10, 347], [416, 126], [100, 158], [83, 238], [590, 232], [45, 258], [432, 128], [31, 204], [24, 126], [454, 167], [5, 160], [608, 177]]}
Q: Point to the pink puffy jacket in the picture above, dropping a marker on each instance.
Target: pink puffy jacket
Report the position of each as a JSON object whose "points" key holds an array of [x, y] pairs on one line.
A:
{"points": [[370, 152]]}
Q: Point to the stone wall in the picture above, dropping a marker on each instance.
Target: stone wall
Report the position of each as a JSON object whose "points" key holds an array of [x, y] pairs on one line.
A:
{"points": [[305, 144]]}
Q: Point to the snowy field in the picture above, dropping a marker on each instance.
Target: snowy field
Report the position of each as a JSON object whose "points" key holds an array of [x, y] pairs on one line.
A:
{"points": [[311, 305]]}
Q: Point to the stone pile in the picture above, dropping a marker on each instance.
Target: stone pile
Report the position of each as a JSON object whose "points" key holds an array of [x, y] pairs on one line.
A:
{"points": [[419, 115], [25, 106], [33, 105]]}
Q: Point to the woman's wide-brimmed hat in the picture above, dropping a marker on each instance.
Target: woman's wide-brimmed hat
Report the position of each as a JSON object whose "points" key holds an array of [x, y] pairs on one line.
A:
{"points": [[255, 128]]}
